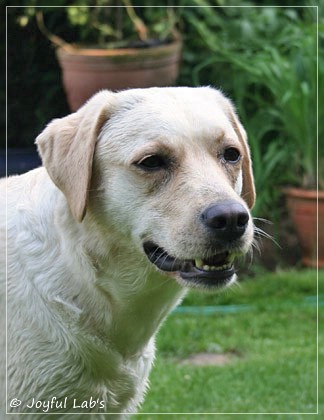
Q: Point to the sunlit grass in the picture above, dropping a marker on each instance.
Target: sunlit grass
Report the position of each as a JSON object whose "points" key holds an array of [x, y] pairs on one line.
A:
{"points": [[272, 344]]}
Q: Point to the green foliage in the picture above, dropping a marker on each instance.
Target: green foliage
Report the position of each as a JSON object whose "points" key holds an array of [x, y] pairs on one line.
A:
{"points": [[35, 92], [107, 23], [266, 59]]}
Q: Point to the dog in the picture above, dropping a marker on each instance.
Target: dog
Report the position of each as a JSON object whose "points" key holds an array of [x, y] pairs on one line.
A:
{"points": [[143, 194]]}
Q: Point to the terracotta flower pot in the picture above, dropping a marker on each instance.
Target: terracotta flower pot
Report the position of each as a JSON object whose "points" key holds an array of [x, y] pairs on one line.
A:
{"points": [[302, 205], [87, 70]]}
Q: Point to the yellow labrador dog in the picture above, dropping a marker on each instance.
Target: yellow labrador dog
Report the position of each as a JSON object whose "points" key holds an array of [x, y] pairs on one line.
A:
{"points": [[143, 194]]}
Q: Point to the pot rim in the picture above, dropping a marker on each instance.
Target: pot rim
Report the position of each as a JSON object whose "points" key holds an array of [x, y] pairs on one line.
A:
{"points": [[304, 193], [83, 50]]}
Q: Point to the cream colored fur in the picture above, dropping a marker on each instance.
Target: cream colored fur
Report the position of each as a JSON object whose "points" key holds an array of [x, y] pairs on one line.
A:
{"points": [[84, 302]]}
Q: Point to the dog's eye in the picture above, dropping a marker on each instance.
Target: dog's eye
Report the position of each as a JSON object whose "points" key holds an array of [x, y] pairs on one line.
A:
{"points": [[231, 155], [153, 163]]}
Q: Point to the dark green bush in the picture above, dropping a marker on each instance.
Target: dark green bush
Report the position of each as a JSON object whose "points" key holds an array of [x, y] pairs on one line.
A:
{"points": [[35, 92]]}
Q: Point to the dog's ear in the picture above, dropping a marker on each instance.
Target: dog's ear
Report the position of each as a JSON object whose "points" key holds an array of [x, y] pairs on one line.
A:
{"points": [[67, 147], [248, 190]]}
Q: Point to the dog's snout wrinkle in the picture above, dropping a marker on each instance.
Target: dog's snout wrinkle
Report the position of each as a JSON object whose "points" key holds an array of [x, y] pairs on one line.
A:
{"points": [[228, 219]]}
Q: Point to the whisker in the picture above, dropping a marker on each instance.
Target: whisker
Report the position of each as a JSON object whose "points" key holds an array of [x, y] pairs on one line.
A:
{"points": [[262, 234], [95, 189], [256, 246], [235, 285], [173, 263], [248, 257], [260, 219], [158, 256], [250, 253], [165, 256]]}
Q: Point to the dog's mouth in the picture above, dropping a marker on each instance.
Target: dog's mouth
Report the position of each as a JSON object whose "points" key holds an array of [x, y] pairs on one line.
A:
{"points": [[215, 271]]}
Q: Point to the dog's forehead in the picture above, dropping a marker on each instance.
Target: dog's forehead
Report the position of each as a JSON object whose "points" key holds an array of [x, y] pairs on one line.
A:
{"points": [[174, 103], [185, 113]]}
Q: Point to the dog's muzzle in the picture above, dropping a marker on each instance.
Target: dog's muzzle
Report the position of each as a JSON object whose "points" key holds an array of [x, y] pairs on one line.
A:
{"points": [[224, 223], [216, 271]]}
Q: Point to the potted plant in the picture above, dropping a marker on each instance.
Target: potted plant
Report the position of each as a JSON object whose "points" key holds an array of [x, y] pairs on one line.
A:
{"points": [[292, 78], [305, 196], [116, 49]]}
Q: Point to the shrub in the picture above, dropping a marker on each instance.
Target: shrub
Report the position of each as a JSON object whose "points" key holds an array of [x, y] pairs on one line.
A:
{"points": [[265, 58]]}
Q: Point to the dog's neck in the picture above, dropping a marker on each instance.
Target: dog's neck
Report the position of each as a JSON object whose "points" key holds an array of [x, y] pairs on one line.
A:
{"points": [[132, 297], [137, 317]]}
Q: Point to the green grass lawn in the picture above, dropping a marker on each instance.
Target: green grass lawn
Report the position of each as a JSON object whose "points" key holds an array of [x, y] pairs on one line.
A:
{"points": [[267, 327]]}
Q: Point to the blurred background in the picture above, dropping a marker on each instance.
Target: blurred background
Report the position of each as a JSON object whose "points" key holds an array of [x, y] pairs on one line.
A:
{"points": [[269, 61]]}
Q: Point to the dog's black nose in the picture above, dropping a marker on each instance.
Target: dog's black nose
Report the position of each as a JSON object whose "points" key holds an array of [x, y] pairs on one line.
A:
{"points": [[227, 219]]}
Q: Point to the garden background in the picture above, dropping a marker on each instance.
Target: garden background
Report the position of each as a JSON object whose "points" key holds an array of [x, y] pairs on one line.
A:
{"points": [[266, 60]]}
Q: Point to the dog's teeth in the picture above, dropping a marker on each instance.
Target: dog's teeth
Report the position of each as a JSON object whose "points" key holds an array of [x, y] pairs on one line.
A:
{"points": [[199, 263]]}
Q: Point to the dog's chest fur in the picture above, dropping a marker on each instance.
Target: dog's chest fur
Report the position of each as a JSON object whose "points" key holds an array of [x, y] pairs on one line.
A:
{"points": [[97, 321]]}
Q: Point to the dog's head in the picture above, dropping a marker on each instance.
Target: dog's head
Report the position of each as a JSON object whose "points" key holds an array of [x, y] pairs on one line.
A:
{"points": [[169, 168]]}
